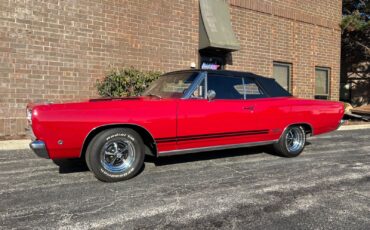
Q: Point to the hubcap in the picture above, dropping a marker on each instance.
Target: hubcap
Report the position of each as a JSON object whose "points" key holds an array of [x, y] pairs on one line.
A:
{"points": [[118, 156], [294, 139]]}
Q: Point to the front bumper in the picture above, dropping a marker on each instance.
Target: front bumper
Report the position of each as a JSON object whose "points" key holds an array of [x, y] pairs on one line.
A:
{"points": [[39, 149]]}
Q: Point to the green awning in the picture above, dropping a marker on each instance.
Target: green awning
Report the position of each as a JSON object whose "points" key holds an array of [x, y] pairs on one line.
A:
{"points": [[215, 26]]}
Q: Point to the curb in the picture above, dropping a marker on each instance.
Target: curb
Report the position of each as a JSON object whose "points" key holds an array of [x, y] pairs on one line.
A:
{"points": [[24, 144], [14, 144], [354, 127]]}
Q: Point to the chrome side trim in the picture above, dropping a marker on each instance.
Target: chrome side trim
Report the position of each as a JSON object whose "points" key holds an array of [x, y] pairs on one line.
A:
{"points": [[39, 149], [213, 148]]}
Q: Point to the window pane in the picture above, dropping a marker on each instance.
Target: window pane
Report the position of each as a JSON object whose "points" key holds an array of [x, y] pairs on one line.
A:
{"points": [[252, 90], [171, 85], [281, 73], [322, 82], [225, 87], [199, 92]]}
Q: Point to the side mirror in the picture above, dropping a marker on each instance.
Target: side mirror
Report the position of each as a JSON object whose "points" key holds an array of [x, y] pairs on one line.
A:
{"points": [[211, 94]]}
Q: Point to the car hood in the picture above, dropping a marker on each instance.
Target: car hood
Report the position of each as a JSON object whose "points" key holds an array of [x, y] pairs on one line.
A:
{"points": [[97, 103]]}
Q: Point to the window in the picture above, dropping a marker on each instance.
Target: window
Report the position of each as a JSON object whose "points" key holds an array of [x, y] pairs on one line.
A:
{"points": [[171, 85], [322, 82], [252, 90], [282, 74], [199, 92], [226, 87]]}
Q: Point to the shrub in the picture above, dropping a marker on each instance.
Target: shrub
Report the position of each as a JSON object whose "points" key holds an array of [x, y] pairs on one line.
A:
{"points": [[121, 82]]}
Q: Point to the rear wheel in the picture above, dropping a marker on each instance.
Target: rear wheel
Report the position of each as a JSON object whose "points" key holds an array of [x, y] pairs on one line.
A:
{"points": [[115, 154], [292, 142]]}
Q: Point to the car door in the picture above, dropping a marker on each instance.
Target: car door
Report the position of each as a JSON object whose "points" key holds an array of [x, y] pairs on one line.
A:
{"points": [[227, 119]]}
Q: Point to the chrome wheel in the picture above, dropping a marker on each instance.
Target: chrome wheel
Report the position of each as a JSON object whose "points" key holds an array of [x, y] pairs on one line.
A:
{"points": [[118, 156], [295, 139]]}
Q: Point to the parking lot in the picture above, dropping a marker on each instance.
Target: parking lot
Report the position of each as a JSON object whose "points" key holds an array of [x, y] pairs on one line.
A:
{"points": [[328, 186]]}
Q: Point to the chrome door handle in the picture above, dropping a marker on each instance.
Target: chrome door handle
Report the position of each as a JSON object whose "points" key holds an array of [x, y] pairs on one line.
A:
{"points": [[250, 108]]}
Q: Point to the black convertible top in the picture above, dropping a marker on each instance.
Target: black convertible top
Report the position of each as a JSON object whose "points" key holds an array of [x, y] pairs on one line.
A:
{"points": [[269, 85]]}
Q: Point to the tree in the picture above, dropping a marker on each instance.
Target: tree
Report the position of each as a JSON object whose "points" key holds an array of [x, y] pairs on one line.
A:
{"points": [[356, 44]]}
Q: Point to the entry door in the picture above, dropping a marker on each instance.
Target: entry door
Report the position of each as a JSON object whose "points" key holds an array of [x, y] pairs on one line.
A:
{"points": [[227, 119]]}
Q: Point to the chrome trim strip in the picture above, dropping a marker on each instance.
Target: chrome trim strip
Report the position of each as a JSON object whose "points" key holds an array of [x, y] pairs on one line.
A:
{"points": [[198, 80], [39, 149], [213, 148]]}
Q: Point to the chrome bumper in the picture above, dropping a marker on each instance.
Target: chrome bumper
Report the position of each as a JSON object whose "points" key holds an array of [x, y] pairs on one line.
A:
{"points": [[341, 123], [39, 149]]}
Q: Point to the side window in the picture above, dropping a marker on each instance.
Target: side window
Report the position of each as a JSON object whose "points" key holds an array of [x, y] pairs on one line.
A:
{"points": [[252, 90], [226, 87], [199, 92]]}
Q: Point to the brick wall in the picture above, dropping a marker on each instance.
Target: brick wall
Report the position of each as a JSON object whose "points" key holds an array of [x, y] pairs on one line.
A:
{"points": [[55, 50], [303, 33]]}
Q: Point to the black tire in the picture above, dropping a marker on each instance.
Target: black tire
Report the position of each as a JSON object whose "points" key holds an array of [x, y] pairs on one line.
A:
{"points": [[291, 142], [115, 154]]}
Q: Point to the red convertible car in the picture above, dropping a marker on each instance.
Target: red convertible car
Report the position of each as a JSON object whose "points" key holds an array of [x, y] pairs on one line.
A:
{"points": [[181, 112]]}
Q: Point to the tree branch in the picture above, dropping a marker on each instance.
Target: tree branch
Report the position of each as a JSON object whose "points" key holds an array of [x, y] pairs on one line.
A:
{"points": [[367, 49]]}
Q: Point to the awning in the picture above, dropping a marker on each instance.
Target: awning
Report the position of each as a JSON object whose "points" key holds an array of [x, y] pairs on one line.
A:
{"points": [[215, 26]]}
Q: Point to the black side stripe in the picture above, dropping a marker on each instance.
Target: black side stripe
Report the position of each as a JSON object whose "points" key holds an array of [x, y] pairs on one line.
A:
{"points": [[209, 136]]}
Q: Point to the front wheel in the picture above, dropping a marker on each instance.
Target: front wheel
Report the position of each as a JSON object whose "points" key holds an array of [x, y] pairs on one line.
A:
{"points": [[292, 142], [115, 154]]}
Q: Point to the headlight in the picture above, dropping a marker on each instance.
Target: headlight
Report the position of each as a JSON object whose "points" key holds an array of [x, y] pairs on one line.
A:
{"points": [[29, 116]]}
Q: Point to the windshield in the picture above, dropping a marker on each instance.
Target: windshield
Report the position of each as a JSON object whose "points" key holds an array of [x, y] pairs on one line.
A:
{"points": [[171, 85]]}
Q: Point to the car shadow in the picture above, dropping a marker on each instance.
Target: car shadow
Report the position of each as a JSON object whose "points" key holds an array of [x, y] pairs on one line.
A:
{"points": [[79, 165], [71, 165], [211, 155], [67, 166]]}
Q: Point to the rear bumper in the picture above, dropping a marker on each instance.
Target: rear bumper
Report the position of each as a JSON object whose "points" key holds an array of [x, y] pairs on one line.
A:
{"points": [[39, 148], [341, 123]]}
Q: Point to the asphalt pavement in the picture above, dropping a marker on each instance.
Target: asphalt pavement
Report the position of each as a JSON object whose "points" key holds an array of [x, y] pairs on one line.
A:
{"points": [[327, 187]]}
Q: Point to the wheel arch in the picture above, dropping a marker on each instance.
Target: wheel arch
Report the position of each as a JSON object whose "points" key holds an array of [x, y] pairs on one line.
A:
{"points": [[147, 137], [306, 126]]}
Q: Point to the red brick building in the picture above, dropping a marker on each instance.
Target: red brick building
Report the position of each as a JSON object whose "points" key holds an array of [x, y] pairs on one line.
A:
{"points": [[54, 50]]}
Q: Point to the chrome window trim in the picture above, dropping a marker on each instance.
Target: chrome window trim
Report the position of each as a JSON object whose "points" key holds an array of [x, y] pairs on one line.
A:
{"points": [[244, 89], [206, 85], [198, 80]]}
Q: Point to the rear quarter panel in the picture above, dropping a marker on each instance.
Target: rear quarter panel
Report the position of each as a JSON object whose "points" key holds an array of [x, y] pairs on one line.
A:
{"points": [[322, 116]]}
